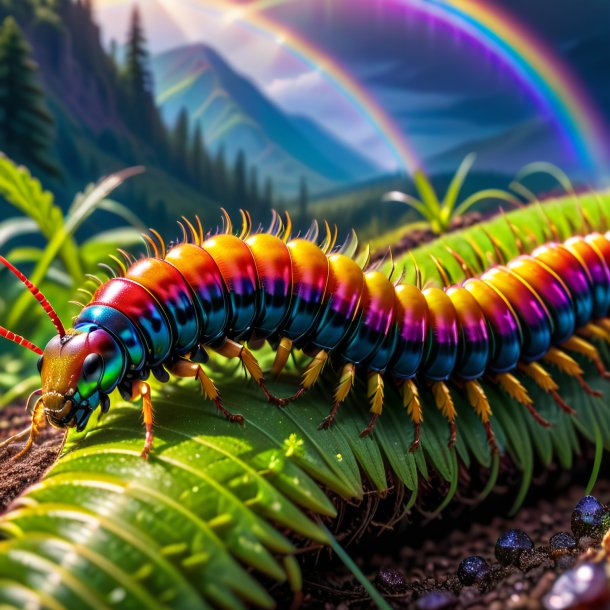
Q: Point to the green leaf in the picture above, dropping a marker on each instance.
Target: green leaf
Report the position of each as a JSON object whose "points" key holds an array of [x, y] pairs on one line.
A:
{"points": [[218, 508]]}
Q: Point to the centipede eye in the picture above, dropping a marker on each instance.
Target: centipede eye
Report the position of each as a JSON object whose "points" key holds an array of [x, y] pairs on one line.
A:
{"points": [[39, 365], [93, 366]]}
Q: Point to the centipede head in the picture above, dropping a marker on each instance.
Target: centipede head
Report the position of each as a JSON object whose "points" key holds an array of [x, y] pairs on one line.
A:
{"points": [[77, 371], [77, 368]]}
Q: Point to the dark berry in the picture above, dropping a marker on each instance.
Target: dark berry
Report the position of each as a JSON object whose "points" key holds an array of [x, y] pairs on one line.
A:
{"points": [[587, 518], [473, 570], [510, 545], [561, 544], [584, 587], [390, 579], [437, 600]]}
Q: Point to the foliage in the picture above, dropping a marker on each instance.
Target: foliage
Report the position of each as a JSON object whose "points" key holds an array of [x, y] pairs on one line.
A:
{"points": [[219, 506], [24, 192], [25, 123], [439, 214]]}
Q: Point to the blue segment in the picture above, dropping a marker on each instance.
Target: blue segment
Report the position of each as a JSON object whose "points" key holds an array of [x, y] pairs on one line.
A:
{"points": [[441, 356], [381, 359], [472, 361], [119, 325]]}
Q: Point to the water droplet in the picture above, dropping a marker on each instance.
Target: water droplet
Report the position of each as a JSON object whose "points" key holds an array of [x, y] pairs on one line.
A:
{"points": [[117, 595], [339, 457]]}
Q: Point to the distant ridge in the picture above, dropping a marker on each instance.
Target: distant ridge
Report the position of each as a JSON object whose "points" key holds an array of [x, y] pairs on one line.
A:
{"points": [[234, 113]]}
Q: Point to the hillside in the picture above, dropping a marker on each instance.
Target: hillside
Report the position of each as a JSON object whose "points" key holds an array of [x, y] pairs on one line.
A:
{"points": [[93, 131], [235, 114]]}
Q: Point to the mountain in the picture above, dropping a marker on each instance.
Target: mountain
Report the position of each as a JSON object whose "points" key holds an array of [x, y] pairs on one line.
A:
{"points": [[510, 150], [234, 114]]}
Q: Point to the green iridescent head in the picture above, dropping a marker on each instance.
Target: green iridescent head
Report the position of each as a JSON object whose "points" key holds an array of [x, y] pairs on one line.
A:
{"points": [[78, 370]]}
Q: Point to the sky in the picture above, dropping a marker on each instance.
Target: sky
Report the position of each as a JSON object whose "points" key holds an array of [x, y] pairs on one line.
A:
{"points": [[439, 88]]}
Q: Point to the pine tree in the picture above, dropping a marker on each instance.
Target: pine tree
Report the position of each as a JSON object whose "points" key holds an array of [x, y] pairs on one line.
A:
{"points": [[240, 192], [266, 202], [199, 162], [136, 59], [26, 126], [180, 144], [140, 108], [221, 190], [253, 195]]}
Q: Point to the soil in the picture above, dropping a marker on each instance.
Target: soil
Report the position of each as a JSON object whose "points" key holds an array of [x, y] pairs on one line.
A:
{"points": [[17, 475], [416, 566], [408, 563], [418, 237]]}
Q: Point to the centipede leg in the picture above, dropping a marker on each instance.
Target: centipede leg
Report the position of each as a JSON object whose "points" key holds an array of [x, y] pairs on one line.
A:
{"points": [[375, 394], [444, 403], [517, 391], [232, 349], [479, 402], [589, 351], [566, 364], [281, 356], [185, 368], [38, 421], [346, 382], [545, 382], [412, 403], [140, 389]]}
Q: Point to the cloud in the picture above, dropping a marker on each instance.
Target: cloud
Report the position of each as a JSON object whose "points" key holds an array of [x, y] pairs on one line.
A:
{"points": [[288, 90]]}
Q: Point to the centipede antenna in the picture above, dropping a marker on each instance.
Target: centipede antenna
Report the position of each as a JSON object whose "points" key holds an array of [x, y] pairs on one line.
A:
{"points": [[161, 242], [150, 242], [194, 236], [94, 278], [418, 275], [19, 340], [120, 263], [466, 268], [44, 303], [442, 271], [108, 268], [288, 230], [228, 225], [199, 230], [313, 231]]}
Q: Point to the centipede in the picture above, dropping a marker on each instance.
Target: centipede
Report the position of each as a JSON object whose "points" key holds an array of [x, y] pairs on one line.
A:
{"points": [[229, 293]]}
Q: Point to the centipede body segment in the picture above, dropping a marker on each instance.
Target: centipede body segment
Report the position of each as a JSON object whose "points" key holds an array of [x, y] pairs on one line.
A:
{"points": [[224, 292]]}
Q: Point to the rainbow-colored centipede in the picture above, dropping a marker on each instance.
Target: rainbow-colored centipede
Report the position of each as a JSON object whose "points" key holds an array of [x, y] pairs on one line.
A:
{"points": [[221, 292]]}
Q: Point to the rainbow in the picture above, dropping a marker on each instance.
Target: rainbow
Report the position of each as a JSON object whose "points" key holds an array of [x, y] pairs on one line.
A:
{"points": [[343, 82], [548, 79]]}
